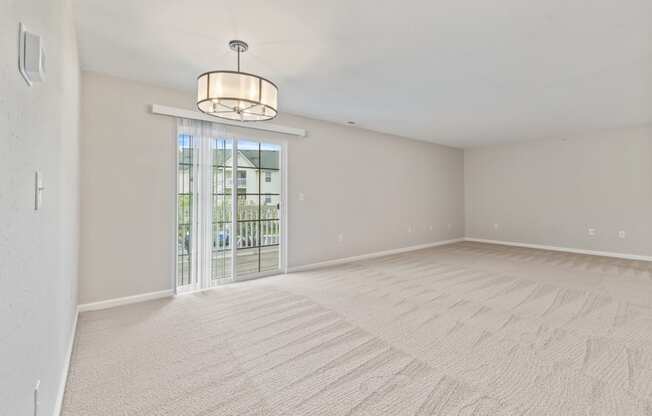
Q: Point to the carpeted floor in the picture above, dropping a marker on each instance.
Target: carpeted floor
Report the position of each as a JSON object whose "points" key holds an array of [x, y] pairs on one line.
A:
{"points": [[464, 329]]}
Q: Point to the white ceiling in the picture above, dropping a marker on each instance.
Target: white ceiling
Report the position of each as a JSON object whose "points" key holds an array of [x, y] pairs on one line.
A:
{"points": [[456, 72]]}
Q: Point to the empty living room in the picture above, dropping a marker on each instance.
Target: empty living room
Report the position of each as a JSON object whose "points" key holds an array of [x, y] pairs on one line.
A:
{"points": [[440, 208]]}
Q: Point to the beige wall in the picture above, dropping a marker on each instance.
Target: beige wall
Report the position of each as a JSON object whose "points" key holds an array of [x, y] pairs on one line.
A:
{"points": [[39, 128], [126, 161], [369, 186], [550, 192]]}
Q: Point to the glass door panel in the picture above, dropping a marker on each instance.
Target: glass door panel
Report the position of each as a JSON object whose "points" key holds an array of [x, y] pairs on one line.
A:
{"points": [[186, 196], [221, 208], [259, 202]]}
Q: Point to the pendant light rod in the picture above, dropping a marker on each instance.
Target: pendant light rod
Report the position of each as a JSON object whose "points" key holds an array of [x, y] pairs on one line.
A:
{"points": [[239, 46]]}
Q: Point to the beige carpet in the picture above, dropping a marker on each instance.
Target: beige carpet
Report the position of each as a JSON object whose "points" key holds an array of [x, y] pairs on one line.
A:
{"points": [[465, 329]]}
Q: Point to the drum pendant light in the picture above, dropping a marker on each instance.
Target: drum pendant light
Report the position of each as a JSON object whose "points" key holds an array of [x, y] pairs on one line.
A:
{"points": [[235, 95]]}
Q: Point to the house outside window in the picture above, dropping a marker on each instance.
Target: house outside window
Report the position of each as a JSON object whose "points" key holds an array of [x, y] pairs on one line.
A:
{"points": [[268, 177]]}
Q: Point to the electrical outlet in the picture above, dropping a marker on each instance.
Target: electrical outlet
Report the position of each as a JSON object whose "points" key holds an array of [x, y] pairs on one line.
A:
{"points": [[622, 234], [592, 231], [430, 228], [496, 226], [409, 229], [340, 238], [301, 196], [450, 226]]}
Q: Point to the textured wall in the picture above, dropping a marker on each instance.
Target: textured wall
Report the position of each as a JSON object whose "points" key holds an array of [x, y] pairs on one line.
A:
{"points": [[38, 250], [550, 192], [369, 186]]}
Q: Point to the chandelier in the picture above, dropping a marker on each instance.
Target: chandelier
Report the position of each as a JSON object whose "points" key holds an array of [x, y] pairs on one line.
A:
{"points": [[235, 95]]}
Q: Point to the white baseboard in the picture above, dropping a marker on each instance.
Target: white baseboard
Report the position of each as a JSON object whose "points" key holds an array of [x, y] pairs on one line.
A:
{"points": [[110, 303], [370, 256], [564, 249], [58, 404]]}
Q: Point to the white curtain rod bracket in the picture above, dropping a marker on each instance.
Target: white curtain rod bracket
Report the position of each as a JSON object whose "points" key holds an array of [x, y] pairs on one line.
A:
{"points": [[196, 115]]}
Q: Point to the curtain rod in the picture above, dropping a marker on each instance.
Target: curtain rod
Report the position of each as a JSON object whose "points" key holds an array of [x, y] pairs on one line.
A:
{"points": [[196, 115]]}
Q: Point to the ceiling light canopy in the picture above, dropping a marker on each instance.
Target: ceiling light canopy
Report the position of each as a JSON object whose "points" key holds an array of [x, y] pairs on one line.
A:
{"points": [[235, 95]]}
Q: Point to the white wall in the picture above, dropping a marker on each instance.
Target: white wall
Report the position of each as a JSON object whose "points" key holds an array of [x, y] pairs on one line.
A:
{"points": [[367, 185], [38, 250], [371, 187], [550, 192]]}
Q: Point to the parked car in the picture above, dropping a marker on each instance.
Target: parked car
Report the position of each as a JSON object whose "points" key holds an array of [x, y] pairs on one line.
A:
{"points": [[221, 240]]}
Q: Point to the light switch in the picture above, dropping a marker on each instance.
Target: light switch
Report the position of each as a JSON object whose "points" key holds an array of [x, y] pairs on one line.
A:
{"points": [[38, 190], [36, 398]]}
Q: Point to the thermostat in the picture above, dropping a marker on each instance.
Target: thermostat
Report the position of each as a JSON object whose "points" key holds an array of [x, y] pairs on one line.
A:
{"points": [[31, 57]]}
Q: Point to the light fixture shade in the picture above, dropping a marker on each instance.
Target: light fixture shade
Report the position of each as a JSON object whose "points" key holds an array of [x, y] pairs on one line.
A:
{"points": [[237, 96]]}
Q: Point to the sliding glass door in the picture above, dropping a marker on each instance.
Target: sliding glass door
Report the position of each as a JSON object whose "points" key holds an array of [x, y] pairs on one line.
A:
{"points": [[226, 184]]}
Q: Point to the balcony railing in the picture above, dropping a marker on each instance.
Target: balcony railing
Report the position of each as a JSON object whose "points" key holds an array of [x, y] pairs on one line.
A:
{"points": [[256, 227]]}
